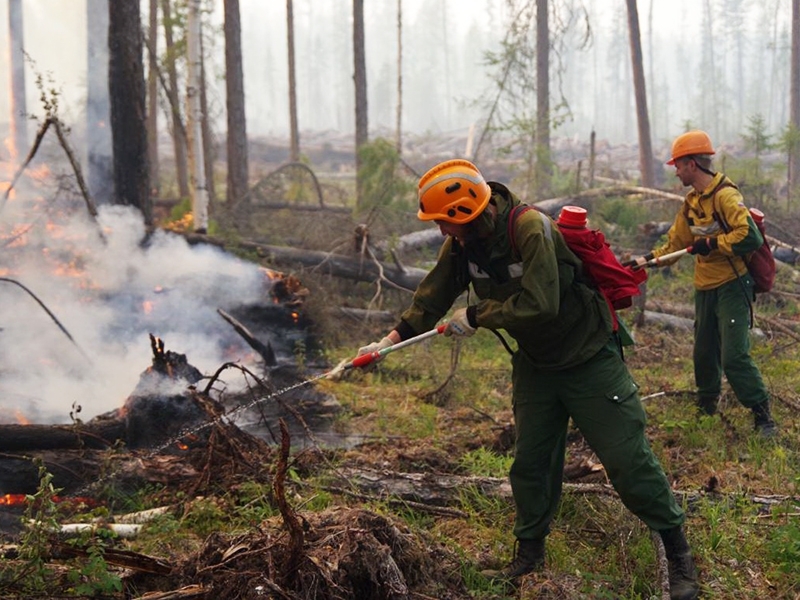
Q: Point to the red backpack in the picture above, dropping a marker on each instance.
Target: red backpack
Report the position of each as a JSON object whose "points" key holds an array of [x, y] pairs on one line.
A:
{"points": [[616, 283], [760, 263]]}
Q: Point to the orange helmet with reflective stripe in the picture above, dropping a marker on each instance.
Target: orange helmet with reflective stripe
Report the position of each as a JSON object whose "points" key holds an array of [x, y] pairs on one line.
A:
{"points": [[453, 191], [689, 143]]}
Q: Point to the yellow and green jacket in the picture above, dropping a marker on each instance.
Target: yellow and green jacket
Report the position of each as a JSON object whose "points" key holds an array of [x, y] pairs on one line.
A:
{"points": [[702, 215], [535, 294]]}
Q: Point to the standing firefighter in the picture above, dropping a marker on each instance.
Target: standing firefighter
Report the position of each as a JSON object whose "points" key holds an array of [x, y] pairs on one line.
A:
{"points": [[716, 227], [568, 363]]}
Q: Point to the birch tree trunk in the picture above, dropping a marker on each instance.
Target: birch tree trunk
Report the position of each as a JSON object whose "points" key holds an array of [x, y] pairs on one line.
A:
{"points": [[198, 190], [234, 87], [19, 109], [208, 138], [640, 91]]}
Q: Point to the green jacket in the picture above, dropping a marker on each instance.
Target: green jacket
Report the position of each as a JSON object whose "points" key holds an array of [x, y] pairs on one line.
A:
{"points": [[696, 220], [537, 297]]}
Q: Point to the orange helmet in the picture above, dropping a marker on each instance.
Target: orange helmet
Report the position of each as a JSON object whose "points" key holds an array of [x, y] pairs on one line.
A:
{"points": [[452, 191], [689, 143]]}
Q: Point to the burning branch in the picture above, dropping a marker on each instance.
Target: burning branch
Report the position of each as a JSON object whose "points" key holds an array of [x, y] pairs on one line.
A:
{"points": [[265, 350], [47, 310]]}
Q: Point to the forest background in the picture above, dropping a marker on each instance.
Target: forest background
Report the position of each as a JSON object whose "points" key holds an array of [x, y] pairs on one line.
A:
{"points": [[548, 96]]}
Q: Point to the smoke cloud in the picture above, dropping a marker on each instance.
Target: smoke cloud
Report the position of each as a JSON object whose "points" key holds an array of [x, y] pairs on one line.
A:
{"points": [[109, 291]]}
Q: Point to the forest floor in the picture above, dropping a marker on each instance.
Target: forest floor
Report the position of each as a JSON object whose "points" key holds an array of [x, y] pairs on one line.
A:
{"points": [[413, 501]]}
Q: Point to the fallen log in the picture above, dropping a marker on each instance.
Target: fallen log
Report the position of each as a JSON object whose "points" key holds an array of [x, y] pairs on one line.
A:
{"points": [[338, 265], [95, 435], [439, 489], [75, 470]]}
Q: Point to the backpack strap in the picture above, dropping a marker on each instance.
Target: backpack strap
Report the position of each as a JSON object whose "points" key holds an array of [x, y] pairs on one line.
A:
{"points": [[515, 213], [512, 219], [725, 182]]}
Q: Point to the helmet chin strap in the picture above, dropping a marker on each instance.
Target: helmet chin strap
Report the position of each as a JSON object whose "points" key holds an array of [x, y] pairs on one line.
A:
{"points": [[704, 170]]}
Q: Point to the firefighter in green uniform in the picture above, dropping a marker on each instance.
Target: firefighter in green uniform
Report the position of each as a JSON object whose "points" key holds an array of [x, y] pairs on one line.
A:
{"points": [[568, 362], [723, 287]]}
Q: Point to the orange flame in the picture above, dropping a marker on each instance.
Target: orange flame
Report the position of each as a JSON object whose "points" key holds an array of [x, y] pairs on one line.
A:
{"points": [[20, 499], [12, 499]]}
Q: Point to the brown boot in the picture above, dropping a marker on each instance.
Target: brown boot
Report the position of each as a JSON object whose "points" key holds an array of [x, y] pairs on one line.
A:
{"points": [[764, 424], [528, 557], [683, 583]]}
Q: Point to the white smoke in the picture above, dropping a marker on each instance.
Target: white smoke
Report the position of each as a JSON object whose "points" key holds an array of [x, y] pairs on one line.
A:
{"points": [[109, 292]]}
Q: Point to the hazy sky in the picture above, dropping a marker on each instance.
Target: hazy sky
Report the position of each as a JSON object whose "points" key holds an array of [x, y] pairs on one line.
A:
{"points": [[55, 40]]}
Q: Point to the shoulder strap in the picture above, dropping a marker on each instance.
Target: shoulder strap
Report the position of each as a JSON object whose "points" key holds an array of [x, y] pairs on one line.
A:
{"points": [[513, 215], [724, 183]]}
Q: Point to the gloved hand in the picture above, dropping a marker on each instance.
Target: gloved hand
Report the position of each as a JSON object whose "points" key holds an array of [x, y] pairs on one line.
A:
{"points": [[638, 262], [703, 246], [337, 373], [459, 324], [376, 346]]}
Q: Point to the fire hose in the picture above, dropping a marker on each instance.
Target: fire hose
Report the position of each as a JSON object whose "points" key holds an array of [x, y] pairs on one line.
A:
{"points": [[370, 357]]}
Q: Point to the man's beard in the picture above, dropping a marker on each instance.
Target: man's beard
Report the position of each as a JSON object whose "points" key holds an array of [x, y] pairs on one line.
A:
{"points": [[481, 228]]}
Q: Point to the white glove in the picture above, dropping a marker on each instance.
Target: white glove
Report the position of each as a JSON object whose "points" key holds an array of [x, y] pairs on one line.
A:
{"points": [[376, 346], [337, 373], [459, 324]]}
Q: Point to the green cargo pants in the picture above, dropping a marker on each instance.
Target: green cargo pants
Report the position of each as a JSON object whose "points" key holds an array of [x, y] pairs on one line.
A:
{"points": [[722, 343], [603, 401]]}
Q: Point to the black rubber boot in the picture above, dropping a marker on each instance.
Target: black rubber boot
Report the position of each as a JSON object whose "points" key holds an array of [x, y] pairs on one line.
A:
{"points": [[764, 424], [528, 557], [683, 583], [707, 405]]}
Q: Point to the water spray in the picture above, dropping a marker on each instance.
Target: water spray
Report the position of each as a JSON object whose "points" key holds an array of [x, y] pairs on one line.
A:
{"points": [[359, 361]]}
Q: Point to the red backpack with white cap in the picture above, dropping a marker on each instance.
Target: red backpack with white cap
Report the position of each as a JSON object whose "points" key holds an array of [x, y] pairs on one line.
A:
{"points": [[616, 283]]}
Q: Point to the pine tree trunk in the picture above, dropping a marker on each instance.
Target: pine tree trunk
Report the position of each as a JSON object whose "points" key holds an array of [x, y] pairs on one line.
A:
{"points": [[360, 79], [640, 91], [19, 119], [179, 141], [294, 134], [543, 158], [234, 86], [100, 168], [128, 115], [399, 128], [794, 108], [152, 96]]}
